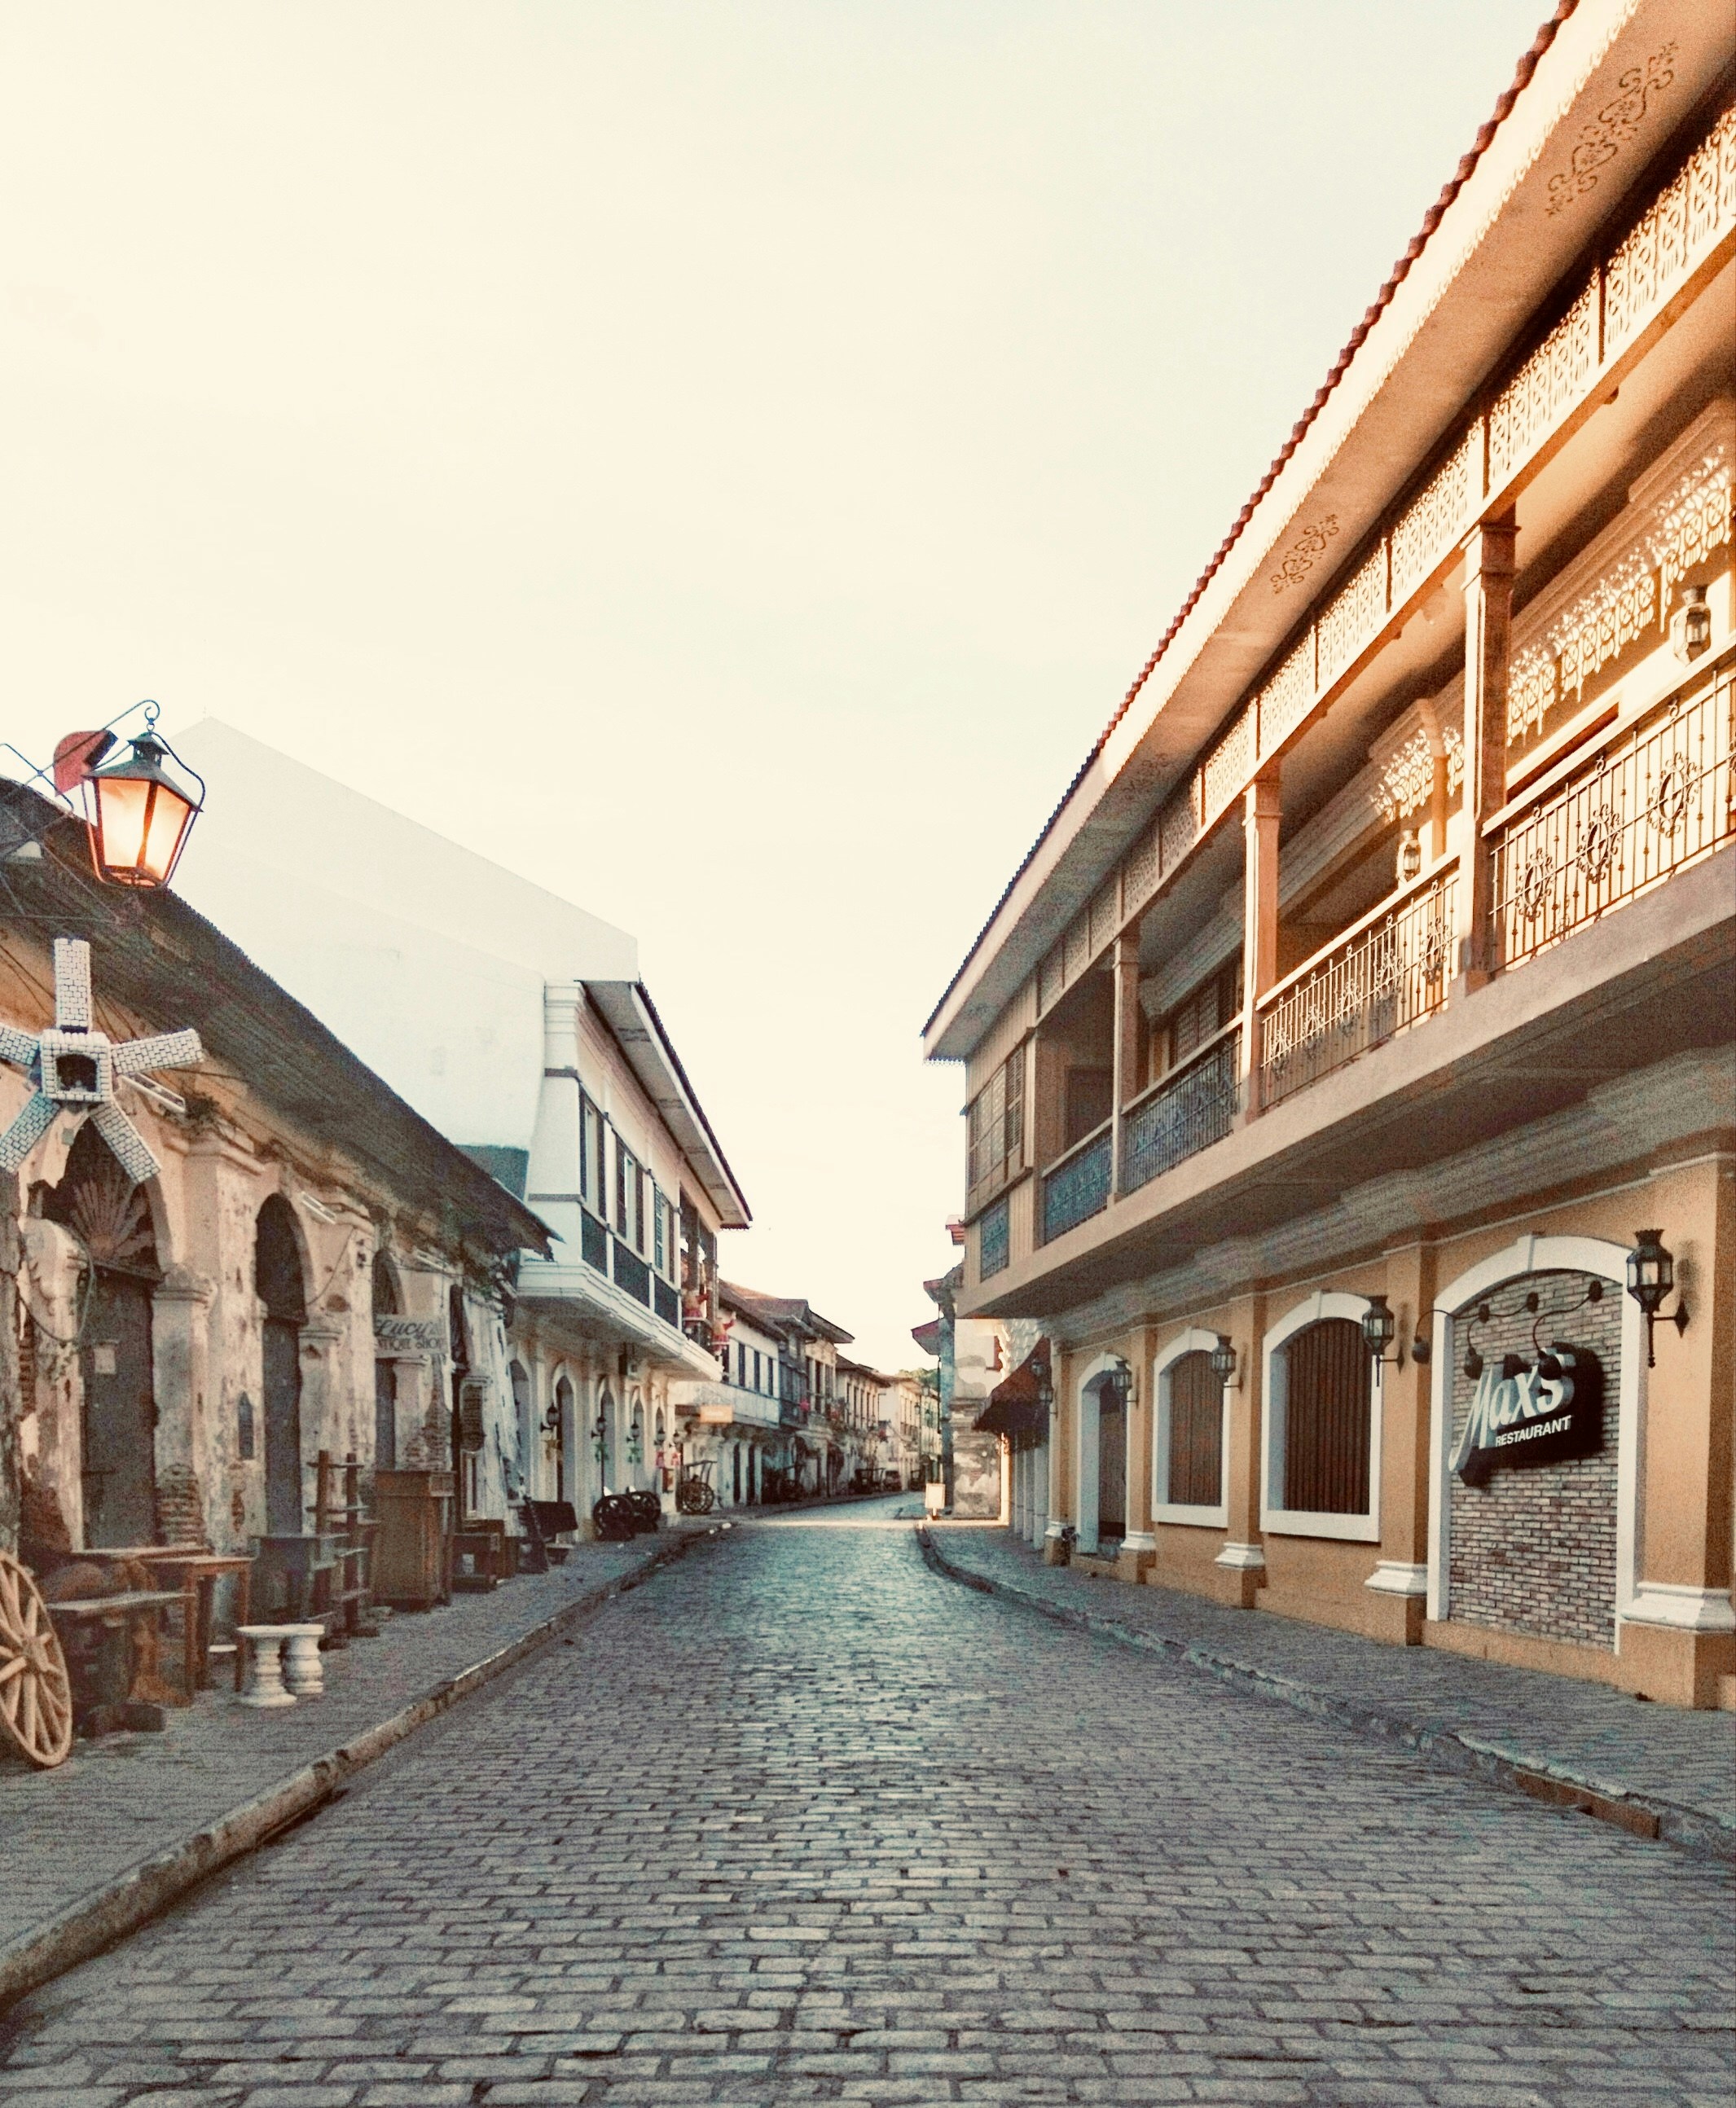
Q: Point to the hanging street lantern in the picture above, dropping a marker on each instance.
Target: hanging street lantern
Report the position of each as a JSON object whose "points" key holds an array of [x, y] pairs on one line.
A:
{"points": [[1650, 1275], [1222, 1359], [138, 811]]}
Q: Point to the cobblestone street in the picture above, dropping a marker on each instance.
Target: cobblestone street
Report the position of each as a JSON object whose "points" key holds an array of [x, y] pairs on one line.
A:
{"points": [[802, 1820]]}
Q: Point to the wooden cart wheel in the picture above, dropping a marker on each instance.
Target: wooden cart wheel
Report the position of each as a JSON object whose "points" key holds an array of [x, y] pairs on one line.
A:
{"points": [[35, 1696]]}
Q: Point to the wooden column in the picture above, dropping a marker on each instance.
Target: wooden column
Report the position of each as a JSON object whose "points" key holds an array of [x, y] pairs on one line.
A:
{"points": [[12, 1400], [1262, 813], [1125, 1054], [1489, 600]]}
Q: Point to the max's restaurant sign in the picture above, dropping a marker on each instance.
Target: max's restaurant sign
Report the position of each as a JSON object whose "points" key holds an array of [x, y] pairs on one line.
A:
{"points": [[1532, 1413]]}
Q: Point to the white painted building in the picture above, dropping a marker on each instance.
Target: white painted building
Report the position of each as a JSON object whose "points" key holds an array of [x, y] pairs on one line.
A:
{"points": [[518, 1024]]}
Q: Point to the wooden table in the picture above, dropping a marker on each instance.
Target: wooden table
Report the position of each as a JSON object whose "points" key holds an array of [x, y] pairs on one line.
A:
{"points": [[194, 1570], [107, 1680]]}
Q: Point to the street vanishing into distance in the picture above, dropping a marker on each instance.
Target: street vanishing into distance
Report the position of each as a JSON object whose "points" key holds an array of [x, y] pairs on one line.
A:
{"points": [[801, 1820]]}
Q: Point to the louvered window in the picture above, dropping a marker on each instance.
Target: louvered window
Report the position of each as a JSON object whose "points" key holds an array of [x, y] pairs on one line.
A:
{"points": [[1195, 1433], [995, 1125], [1327, 1403]]}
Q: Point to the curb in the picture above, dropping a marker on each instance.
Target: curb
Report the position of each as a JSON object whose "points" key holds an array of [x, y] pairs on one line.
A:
{"points": [[1447, 1748], [102, 1915]]}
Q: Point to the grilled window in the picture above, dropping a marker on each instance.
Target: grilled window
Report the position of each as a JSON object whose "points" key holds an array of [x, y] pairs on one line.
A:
{"points": [[995, 1124], [1195, 1433], [1213, 1005], [1327, 1402]]}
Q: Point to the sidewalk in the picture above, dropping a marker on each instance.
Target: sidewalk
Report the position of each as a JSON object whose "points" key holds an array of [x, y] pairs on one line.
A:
{"points": [[130, 1822], [1650, 1768]]}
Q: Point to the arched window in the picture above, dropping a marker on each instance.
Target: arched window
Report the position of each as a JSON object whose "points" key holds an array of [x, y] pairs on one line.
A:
{"points": [[1322, 1423], [386, 1304]]}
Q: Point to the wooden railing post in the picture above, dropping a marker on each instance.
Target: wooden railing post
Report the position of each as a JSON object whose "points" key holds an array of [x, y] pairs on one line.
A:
{"points": [[1262, 814], [1488, 602], [1126, 1053]]}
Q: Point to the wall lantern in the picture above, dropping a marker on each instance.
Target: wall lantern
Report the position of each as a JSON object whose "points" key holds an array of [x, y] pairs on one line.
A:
{"points": [[1650, 1275], [1224, 1360], [1410, 856], [1041, 1376], [1691, 630], [138, 811], [1379, 1328]]}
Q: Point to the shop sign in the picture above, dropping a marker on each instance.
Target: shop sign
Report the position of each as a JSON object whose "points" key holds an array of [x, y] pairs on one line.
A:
{"points": [[409, 1335], [1532, 1413]]}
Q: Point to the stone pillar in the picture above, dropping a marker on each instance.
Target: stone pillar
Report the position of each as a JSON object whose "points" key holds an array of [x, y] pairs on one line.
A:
{"points": [[1243, 1562], [1489, 599], [1126, 1051], [1262, 816], [1677, 1637], [1400, 1580], [1055, 1509], [1139, 1545]]}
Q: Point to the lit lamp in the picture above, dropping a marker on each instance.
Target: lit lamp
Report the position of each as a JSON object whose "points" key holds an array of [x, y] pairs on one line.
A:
{"points": [[1223, 1360], [1379, 1328], [1650, 1275], [139, 814]]}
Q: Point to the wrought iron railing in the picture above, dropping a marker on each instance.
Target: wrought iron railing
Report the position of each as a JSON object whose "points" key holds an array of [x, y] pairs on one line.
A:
{"points": [[1387, 973], [1651, 802], [994, 1240], [1186, 1112], [1077, 1186]]}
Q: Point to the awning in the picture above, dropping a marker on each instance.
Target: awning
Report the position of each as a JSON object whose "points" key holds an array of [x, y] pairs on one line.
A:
{"points": [[1014, 1407]]}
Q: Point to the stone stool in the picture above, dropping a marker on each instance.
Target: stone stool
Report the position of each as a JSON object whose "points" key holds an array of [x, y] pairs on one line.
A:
{"points": [[304, 1673], [262, 1666]]}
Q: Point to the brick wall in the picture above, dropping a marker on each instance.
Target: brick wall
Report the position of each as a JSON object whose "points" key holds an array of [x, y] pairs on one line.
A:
{"points": [[1534, 1551]]}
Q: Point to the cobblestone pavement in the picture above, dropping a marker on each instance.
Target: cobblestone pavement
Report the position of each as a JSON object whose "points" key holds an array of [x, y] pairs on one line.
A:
{"points": [[125, 1797], [799, 1820], [1547, 1723]]}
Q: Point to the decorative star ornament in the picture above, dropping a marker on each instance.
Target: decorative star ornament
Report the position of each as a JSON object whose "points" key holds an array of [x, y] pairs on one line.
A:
{"points": [[74, 1068]]}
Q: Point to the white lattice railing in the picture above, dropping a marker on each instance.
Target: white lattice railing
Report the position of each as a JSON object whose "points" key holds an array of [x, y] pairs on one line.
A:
{"points": [[1386, 974]]}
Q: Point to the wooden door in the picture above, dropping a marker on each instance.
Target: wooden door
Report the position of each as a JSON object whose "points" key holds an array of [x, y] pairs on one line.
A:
{"points": [[284, 1514], [1111, 1469], [120, 1475], [385, 1416]]}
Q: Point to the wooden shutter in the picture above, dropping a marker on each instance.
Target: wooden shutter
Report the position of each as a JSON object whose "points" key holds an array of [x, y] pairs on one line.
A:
{"points": [[1327, 1417], [1195, 1433]]}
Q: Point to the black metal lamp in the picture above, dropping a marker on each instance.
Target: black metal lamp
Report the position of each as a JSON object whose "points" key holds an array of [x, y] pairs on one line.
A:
{"points": [[139, 814], [1044, 1380], [1223, 1359], [1692, 630], [1379, 1328], [1651, 1277]]}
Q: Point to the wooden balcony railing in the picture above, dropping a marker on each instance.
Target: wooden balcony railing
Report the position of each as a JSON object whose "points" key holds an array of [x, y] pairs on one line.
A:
{"points": [[1185, 1112], [1656, 798], [1384, 974], [1077, 1186]]}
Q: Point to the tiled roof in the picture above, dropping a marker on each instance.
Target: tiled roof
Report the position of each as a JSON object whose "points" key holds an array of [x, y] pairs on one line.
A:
{"points": [[1431, 218]]}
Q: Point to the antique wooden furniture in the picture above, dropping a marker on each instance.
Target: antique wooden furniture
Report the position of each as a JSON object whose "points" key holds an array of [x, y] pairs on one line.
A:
{"points": [[35, 1691], [111, 1646], [197, 1574], [348, 1522], [413, 1541], [544, 1520], [479, 1556]]}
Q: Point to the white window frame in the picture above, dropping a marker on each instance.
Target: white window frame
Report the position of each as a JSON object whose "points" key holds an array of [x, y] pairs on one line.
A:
{"points": [[1192, 1514], [1274, 1518]]}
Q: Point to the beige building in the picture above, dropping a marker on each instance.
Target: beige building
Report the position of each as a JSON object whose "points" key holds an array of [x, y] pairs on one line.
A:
{"points": [[1370, 992]]}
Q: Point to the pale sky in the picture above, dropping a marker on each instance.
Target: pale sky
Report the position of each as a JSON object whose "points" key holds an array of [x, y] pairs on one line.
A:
{"points": [[725, 461]]}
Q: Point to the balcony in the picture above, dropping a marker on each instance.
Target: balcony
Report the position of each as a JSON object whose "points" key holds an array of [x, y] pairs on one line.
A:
{"points": [[1183, 1113], [1077, 1186], [1377, 1059], [1387, 973]]}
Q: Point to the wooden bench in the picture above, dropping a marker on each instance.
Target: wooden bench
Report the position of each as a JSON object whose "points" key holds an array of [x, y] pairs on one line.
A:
{"points": [[544, 1520]]}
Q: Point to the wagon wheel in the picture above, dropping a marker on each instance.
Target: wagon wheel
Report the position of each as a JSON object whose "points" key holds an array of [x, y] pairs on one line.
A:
{"points": [[35, 1696]]}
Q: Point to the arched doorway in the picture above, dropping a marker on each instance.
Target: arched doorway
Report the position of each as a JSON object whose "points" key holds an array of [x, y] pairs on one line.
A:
{"points": [[563, 1421], [386, 1304], [111, 1217], [278, 1280], [1102, 1459], [523, 1428], [607, 1442]]}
